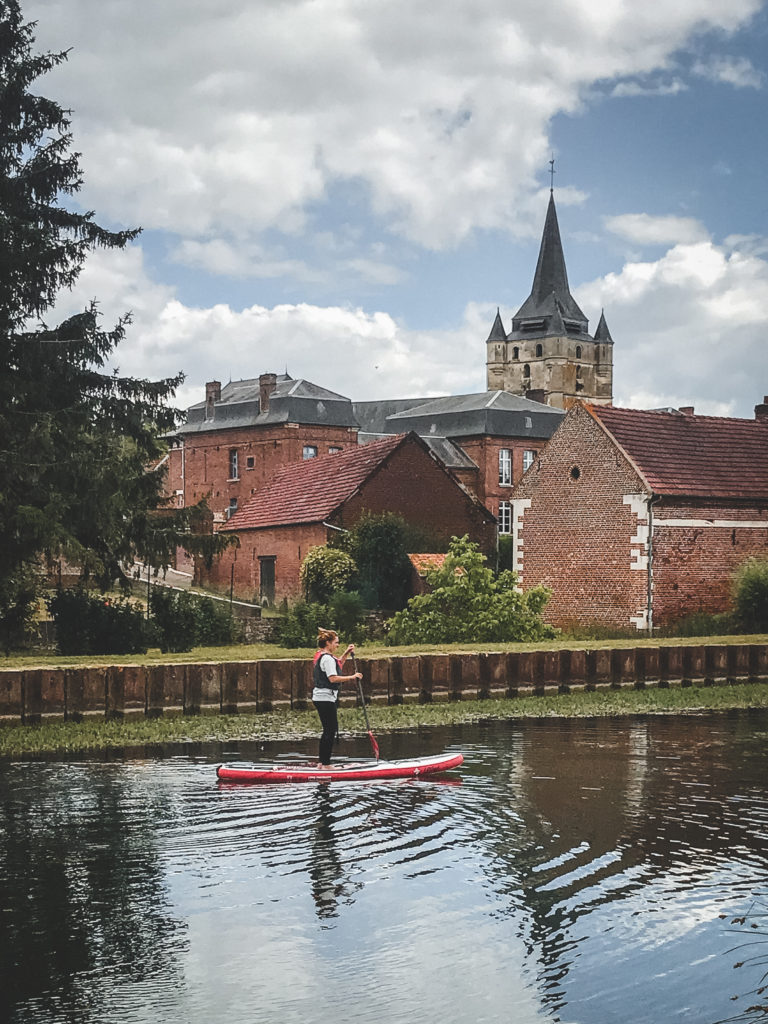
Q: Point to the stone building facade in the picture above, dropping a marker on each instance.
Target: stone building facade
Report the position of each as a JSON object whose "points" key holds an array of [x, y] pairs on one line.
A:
{"points": [[549, 354], [637, 518]]}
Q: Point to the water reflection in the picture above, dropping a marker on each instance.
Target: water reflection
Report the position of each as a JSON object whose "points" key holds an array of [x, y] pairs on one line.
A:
{"points": [[577, 874]]}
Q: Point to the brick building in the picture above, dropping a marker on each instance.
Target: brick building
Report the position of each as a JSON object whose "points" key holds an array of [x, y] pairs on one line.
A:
{"points": [[305, 502], [638, 518]]}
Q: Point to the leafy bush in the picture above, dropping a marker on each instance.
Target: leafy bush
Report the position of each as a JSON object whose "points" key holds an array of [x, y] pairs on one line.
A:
{"points": [[468, 603], [182, 620], [506, 552], [378, 544], [702, 624], [344, 613], [750, 595], [88, 624], [326, 570]]}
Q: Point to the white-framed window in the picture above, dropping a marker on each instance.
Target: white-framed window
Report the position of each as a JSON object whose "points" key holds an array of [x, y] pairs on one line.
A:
{"points": [[232, 507], [249, 462], [233, 464], [505, 465], [505, 517], [529, 457], [309, 451], [333, 448]]}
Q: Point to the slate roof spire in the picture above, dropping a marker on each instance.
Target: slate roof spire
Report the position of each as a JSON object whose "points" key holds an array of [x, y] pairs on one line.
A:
{"points": [[602, 333], [497, 331], [550, 283]]}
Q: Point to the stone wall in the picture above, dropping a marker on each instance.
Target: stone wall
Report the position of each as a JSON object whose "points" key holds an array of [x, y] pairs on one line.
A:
{"points": [[33, 694]]}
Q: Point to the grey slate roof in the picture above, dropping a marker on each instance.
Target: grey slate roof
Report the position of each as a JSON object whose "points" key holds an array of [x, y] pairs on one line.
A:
{"points": [[602, 333], [292, 401], [453, 456], [489, 412], [550, 295], [372, 416]]}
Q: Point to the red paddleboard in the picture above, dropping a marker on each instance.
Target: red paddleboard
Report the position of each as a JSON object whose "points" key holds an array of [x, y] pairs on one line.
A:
{"points": [[412, 767]]}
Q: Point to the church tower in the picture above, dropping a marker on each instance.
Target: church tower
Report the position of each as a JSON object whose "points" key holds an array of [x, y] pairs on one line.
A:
{"points": [[549, 353]]}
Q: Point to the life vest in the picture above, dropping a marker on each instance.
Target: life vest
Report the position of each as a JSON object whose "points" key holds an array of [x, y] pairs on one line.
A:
{"points": [[319, 678]]}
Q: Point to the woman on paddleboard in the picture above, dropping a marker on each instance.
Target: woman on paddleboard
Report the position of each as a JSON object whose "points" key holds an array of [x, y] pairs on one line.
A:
{"points": [[327, 679]]}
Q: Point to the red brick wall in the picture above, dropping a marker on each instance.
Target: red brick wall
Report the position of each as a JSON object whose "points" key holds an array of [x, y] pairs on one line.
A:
{"points": [[693, 565], [485, 452], [577, 533], [206, 458], [412, 485], [288, 544]]}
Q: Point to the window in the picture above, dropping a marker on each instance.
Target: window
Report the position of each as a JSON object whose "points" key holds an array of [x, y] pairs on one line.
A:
{"points": [[539, 350], [309, 451], [505, 517], [578, 351], [515, 353], [232, 507], [505, 466], [332, 449], [529, 457], [526, 370], [249, 462], [233, 474]]}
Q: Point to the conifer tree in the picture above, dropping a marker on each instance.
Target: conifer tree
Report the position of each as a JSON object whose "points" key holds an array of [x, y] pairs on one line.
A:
{"points": [[75, 437]]}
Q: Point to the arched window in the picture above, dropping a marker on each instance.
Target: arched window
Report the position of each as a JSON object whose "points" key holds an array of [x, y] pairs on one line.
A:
{"points": [[539, 350], [578, 351], [515, 353], [526, 370]]}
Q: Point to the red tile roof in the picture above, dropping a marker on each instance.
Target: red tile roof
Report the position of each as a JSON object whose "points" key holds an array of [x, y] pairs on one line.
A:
{"points": [[424, 563], [310, 491], [697, 456]]}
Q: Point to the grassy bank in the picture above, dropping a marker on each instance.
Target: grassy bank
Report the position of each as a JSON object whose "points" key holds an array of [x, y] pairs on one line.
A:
{"points": [[259, 652], [96, 734]]}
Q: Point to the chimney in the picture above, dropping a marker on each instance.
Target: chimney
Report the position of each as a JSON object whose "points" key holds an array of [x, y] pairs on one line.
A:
{"points": [[267, 384], [686, 410], [212, 396], [761, 411]]}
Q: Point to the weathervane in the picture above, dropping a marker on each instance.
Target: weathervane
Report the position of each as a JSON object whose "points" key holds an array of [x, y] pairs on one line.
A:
{"points": [[552, 174]]}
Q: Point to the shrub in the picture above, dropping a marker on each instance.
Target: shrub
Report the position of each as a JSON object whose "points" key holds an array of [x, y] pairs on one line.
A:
{"points": [[378, 543], [468, 603], [344, 613], [702, 624], [89, 624], [506, 553], [182, 620], [750, 595], [326, 570]]}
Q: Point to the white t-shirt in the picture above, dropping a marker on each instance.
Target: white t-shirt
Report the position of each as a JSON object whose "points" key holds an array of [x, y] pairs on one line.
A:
{"points": [[329, 666]]}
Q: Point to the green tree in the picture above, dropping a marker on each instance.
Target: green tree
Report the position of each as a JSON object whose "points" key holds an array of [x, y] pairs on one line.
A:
{"points": [[326, 570], [468, 603], [379, 545], [76, 438], [750, 595]]}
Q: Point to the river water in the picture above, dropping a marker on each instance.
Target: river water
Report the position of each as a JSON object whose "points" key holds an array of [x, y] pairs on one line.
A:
{"points": [[571, 871]]}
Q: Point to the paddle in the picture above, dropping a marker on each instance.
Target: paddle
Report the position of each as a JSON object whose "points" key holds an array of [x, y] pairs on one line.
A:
{"points": [[372, 738]]}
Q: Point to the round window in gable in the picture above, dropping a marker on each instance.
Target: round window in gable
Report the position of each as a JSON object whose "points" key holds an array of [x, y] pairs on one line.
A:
{"points": [[575, 473]]}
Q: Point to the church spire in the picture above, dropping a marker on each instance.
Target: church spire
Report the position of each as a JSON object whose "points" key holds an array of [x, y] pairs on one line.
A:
{"points": [[550, 279], [497, 331]]}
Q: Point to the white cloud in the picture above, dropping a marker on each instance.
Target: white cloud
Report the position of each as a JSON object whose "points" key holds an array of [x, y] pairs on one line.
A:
{"points": [[644, 229], [635, 88], [364, 355], [221, 118], [736, 71], [688, 329]]}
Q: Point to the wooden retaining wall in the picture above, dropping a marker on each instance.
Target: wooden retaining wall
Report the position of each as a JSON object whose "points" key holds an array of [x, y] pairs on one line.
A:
{"points": [[230, 687]]}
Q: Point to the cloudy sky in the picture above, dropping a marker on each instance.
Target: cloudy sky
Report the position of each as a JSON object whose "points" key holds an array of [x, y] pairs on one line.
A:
{"points": [[349, 188]]}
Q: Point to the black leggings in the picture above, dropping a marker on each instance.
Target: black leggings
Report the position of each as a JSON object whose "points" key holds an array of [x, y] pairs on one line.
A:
{"points": [[330, 722]]}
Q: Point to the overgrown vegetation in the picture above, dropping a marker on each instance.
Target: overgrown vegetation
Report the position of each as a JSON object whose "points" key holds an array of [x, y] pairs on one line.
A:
{"points": [[98, 734], [325, 571], [467, 601], [87, 624]]}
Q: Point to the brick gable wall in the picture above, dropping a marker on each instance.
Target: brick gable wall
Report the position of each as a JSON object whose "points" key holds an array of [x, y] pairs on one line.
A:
{"points": [[583, 537]]}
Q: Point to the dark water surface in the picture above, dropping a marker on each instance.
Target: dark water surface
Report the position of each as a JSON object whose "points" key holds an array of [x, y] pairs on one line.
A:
{"points": [[571, 871]]}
